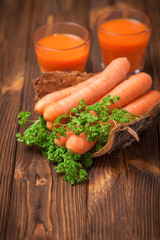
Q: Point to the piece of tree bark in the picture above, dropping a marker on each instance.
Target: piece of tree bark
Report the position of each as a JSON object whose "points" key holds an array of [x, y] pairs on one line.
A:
{"points": [[121, 135]]}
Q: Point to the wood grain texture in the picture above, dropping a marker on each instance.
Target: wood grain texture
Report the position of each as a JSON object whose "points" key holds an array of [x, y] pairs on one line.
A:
{"points": [[12, 62], [121, 198], [122, 186], [43, 206]]}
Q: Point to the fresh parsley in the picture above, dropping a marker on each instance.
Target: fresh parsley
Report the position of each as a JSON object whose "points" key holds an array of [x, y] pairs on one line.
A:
{"points": [[93, 120]]}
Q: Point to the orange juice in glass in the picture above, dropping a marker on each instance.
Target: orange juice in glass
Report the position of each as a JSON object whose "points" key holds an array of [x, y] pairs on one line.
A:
{"points": [[62, 46], [124, 33]]}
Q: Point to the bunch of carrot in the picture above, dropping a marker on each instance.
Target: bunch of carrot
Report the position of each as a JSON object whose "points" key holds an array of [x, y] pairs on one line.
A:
{"points": [[133, 92]]}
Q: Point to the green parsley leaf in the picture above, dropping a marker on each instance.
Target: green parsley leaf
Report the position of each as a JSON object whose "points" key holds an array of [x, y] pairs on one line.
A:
{"points": [[93, 120], [23, 118]]}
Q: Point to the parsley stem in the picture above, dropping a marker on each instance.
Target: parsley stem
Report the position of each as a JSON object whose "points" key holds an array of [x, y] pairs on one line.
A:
{"points": [[136, 115], [34, 121]]}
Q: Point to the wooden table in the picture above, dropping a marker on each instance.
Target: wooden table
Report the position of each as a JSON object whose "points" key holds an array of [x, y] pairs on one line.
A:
{"points": [[121, 198]]}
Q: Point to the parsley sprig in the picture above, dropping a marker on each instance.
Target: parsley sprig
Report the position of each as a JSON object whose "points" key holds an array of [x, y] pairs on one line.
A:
{"points": [[93, 120]]}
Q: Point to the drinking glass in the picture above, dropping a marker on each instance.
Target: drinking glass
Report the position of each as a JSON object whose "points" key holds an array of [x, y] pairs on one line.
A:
{"points": [[124, 40], [68, 57]]}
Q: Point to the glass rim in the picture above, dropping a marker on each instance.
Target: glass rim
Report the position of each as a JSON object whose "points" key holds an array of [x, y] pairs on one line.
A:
{"points": [[148, 27], [61, 23]]}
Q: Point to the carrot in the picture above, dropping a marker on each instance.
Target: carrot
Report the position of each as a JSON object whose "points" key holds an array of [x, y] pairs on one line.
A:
{"points": [[61, 141], [144, 103], [140, 106], [49, 125], [55, 96], [79, 144], [110, 77], [130, 89]]}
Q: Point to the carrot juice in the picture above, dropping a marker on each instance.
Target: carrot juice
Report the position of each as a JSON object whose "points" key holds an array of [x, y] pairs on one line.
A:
{"points": [[124, 37], [64, 49]]}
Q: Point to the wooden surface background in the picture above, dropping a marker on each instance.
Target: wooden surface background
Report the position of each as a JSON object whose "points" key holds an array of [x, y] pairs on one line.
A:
{"points": [[121, 198]]}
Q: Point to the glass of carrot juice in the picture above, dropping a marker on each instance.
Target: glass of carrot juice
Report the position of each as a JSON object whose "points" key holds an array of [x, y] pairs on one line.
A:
{"points": [[124, 33], [62, 46]]}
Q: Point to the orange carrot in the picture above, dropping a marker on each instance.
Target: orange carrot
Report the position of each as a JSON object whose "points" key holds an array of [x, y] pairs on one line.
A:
{"points": [[130, 89], [109, 78], [79, 144], [144, 103], [49, 125], [61, 141], [55, 96], [139, 106]]}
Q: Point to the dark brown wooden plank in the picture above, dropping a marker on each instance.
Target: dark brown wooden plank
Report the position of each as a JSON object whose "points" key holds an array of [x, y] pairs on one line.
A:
{"points": [[123, 195], [123, 192], [12, 62], [43, 205], [121, 200], [153, 54]]}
